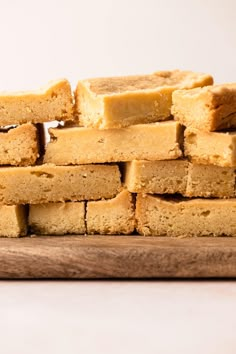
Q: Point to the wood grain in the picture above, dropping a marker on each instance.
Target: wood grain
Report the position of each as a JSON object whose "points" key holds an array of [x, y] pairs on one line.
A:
{"points": [[92, 257]]}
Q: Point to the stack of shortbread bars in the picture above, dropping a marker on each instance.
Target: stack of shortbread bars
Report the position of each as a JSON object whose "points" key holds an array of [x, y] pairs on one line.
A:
{"points": [[153, 155]]}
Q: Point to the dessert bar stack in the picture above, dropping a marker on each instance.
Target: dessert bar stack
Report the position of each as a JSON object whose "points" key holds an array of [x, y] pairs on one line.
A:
{"points": [[22, 115], [209, 115], [130, 154], [117, 120]]}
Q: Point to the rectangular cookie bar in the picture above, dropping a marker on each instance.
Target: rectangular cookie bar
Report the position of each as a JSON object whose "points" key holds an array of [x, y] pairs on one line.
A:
{"points": [[111, 217], [57, 218], [79, 145], [19, 146], [50, 183], [156, 176], [13, 221], [209, 108], [216, 148], [52, 102], [157, 216], [179, 176], [210, 181], [116, 102]]}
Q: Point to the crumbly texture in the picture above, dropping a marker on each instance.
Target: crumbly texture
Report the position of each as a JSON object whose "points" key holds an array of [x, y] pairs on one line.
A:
{"points": [[57, 218], [111, 217], [210, 181], [213, 148], [156, 176], [50, 183], [53, 102], [19, 146], [13, 221], [117, 102], [157, 216], [179, 176], [209, 108], [78, 145]]}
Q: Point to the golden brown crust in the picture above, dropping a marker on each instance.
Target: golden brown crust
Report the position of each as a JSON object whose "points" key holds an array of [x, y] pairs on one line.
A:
{"points": [[123, 101], [121, 84], [209, 108], [53, 102]]}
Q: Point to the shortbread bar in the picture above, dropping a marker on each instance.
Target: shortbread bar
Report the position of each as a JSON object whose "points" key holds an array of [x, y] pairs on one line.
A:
{"points": [[19, 146], [117, 102], [210, 147], [209, 108], [157, 216], [210, 181], [50, 183], [53, 102], [57, 218], [156, 176], [179, 176], [13, 221], [79, 145], [110, 217]]}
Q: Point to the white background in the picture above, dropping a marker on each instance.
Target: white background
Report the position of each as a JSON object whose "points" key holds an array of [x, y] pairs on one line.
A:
{"points": [[48, 39], [43, 40], [118, 317]]}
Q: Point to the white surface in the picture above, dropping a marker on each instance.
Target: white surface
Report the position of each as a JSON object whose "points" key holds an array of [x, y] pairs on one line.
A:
{"points": [[118, 317], [47, 39]]}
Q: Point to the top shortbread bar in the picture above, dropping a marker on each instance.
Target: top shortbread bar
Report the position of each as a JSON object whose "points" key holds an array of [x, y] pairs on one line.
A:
{"points": [[209, 108], [118, 102], [53, 102]]}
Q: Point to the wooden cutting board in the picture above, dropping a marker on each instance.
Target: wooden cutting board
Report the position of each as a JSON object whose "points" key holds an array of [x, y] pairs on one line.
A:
{"points": [[90, 257]]}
